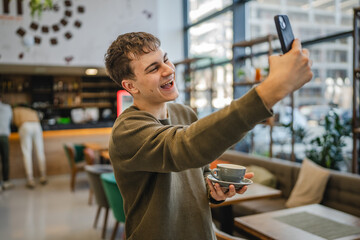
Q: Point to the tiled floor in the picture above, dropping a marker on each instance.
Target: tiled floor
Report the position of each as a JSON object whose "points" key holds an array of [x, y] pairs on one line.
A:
{"points": [[51, 212]]}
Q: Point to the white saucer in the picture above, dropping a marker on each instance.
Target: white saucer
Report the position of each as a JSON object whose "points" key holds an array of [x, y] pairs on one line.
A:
{"points": [[225, 185]]}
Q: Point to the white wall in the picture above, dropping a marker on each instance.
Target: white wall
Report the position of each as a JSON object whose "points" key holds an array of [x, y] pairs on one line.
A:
{"points": [[170, 28], [102, 22]]}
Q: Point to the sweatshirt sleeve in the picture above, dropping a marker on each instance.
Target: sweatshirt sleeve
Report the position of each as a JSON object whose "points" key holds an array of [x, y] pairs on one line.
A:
{"points": [[139, 142]]}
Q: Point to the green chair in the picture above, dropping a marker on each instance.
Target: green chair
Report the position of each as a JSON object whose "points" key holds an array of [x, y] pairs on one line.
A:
{"points": [[114, 198], [76, 160], [94, 172]]}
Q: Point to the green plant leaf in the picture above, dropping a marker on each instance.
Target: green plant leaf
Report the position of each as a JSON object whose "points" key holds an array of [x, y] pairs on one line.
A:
{"points": [[326, 150]]}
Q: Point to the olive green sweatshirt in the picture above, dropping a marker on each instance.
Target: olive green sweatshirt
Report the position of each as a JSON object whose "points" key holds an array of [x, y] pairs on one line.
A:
{"points": [[159, 165]]}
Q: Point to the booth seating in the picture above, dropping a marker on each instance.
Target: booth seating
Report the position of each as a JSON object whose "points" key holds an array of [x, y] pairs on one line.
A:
{"points": [[342, 191], [220, 235]]}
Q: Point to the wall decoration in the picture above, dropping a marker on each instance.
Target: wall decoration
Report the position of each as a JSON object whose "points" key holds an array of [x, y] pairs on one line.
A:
{"points": [[34, 26], [56, 27], [37, 39], [69, 32], [147, 13], [45, 29], [21, 32], [68, 35], [68, 13], [53, 41], [81, 9], [64, 22], [68, 59], [77, 24]]}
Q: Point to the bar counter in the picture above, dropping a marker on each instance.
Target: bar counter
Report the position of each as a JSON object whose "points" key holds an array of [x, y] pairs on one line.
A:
{"points": [[56, 160]]}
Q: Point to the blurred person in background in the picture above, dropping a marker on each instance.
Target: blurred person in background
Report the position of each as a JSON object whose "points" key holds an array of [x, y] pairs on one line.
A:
{"points": [[28, 123], [5, 129]]}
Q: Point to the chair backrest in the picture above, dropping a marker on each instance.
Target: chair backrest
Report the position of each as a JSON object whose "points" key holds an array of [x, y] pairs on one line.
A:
{"points": [[79, 152], [70, 154], [220, 235], [74, 153], [113, 195], [94, 172], [89, 156]]}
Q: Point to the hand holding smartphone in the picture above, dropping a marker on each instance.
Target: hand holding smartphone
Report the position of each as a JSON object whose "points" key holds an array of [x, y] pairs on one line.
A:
{"points": [[285, 32]]}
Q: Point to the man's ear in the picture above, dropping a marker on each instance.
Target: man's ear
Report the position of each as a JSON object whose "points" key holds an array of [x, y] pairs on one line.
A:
{"points": [[128, 85]]}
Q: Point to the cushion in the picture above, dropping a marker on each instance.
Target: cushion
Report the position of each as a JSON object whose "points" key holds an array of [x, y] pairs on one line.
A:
{"points": [[79, 152], [310, 185], [262, 176]]}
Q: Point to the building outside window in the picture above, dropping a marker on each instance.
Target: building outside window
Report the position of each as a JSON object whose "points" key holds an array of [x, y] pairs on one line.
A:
{"points": [[310, 19]]}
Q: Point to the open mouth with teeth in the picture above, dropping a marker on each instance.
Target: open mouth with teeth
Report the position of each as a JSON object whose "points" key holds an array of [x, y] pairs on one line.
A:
{"points": [[167, 85]]}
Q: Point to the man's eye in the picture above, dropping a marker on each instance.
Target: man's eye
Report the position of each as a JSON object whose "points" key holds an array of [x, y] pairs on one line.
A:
{"points": [[166, 59], [154, 69]]}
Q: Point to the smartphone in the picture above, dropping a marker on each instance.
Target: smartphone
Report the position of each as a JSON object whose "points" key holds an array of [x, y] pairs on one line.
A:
{"points": [[285, 32]]}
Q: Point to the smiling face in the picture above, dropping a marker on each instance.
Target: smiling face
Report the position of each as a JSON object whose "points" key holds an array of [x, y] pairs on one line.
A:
{"points": [[154, 82]]}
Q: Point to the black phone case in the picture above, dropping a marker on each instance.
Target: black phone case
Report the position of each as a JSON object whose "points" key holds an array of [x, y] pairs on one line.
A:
{"points": [[285, 32]]}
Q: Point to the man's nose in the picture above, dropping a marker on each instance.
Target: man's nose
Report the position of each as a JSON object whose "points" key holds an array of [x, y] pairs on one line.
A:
{"points": [[168, 69]]}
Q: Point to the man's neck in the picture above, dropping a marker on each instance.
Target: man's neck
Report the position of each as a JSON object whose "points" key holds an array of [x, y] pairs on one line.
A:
{"points": [[159, 110]]}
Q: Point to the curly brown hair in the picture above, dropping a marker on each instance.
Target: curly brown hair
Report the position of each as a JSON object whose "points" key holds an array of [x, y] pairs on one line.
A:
{"points": [[124, 49]]}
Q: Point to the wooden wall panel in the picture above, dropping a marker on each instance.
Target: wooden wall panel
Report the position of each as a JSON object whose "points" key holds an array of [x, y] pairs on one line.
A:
{"points": [[56, 161]]}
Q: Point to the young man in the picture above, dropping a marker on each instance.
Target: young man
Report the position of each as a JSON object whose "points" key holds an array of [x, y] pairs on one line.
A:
{"points": [[160, 151]]}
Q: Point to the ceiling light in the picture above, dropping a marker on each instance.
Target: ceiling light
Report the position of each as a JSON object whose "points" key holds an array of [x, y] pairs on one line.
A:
{"points": [[91, 71]]}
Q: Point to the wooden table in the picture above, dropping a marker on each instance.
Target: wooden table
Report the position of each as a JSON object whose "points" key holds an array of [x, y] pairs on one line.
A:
{"points": [[96, 146], [105, 155], [254, 191], [266, 226], [98, 150]]}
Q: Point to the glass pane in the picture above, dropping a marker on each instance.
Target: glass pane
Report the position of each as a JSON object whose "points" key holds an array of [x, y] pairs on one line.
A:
{"points": [[222, 86], [201, 8], [331, 86], [212, 38]]}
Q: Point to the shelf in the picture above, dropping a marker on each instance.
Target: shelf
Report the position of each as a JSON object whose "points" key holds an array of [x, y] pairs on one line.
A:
{"points": [[255, 41], [46, 91], [189, 60], [98, 84], [235, 84], [83, 105], [195, 90], [67, 106], [98, 95], [99, 105], [356, 130], [15, 92]]}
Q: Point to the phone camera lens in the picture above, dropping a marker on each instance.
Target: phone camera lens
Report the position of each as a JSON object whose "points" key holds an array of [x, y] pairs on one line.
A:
{"points": [[282, 23]]}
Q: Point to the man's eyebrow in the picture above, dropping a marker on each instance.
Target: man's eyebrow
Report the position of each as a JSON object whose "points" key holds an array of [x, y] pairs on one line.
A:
{"points": [[154, 63]]}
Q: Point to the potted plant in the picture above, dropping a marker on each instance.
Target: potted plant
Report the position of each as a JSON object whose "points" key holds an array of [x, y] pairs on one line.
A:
{"points": [[37, 6], [327, 149]]}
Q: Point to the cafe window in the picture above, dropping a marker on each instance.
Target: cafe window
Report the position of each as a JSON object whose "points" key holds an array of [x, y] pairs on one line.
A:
{"points": [[310, 19], [212, 38], [199, 9]]}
